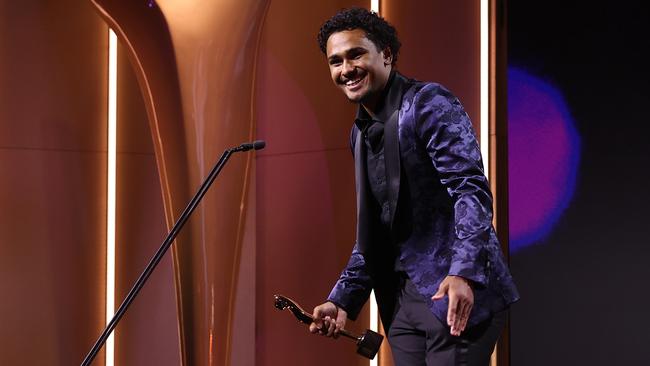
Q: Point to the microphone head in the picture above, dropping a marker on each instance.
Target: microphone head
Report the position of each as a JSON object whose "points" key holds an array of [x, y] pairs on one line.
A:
{"points": [[259, 144]]}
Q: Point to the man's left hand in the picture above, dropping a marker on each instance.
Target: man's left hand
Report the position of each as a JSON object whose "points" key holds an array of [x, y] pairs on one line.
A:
{"points": [[461, 300]]}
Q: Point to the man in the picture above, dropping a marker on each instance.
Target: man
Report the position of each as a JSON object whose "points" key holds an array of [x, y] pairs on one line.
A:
{"points": [[425, 241]]}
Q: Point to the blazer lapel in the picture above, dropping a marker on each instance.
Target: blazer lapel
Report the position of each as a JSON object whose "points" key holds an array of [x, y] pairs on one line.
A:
{"points": [[392, 161], [361, 187]]}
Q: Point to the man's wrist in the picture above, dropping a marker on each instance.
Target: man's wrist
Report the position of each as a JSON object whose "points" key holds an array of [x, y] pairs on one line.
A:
{"points": [[467, 281]]}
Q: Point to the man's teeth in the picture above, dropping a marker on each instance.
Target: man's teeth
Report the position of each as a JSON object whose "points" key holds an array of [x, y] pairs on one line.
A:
{"points": [[353, 82]]}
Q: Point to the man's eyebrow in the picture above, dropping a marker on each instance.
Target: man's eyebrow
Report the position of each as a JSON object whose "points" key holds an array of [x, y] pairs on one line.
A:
{"points": [[348, 51], [355, 50], [333, 57]]}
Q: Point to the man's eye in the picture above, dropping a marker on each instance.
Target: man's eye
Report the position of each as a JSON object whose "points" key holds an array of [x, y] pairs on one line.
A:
{"points": [[335, 62]]}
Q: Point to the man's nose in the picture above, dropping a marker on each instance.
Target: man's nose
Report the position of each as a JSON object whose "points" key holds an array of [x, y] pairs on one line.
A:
{"points": [[348, 68]]}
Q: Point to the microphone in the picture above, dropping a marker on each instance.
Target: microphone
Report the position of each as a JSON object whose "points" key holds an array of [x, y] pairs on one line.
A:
{"points": [[255, 145]]}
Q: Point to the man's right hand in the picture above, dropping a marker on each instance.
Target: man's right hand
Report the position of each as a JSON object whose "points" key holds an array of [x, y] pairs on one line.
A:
{"points": [[329, 319]]}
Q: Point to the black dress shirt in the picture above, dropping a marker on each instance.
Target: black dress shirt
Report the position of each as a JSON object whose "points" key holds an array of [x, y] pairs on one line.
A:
{"points": [[372, 130]]}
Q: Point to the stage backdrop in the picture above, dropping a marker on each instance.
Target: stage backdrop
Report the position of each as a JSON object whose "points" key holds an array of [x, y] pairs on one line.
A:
{"points": [[192, 80], [53, 121]]}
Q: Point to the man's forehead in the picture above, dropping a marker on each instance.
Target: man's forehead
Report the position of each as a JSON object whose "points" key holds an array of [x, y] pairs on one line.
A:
{"points": [[344, 40]]}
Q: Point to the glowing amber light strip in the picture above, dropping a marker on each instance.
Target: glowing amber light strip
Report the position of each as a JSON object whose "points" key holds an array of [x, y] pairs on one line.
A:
{"points": [[110, 191], [485, 74], [374, 311], [374, 6]]}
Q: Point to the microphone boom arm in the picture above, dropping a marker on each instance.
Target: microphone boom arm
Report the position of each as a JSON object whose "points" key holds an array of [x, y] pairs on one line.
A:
{"points": [[194, 202]]}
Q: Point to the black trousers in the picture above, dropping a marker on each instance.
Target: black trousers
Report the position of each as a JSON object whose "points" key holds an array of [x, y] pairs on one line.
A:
{"points": [[418, 338]]}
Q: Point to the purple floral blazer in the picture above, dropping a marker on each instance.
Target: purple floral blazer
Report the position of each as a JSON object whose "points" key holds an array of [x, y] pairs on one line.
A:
{"points": [[440, 205]]}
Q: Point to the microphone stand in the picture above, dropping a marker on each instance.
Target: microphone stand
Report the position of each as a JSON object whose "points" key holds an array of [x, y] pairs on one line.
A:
{"points": [[257, 145]]}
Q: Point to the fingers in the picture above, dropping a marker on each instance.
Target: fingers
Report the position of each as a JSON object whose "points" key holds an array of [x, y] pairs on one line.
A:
{"points": [[315, 327], [341, 318], [327, 327], [467, 308], [324, 322], [463, 310], [452, 311], [319, 312], [317, 323], [330, 326], [455, 325], [460, 306]]}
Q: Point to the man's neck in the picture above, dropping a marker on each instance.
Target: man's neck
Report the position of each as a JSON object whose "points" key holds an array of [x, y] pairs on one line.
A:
{"points": [[369, 110], [372, 106]]}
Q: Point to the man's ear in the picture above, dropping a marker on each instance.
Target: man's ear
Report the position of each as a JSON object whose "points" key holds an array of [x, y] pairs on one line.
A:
{"points": [[388, 56]]}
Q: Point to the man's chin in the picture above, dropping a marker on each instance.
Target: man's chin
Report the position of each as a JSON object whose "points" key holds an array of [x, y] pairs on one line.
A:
{"points": [[355, 98]]}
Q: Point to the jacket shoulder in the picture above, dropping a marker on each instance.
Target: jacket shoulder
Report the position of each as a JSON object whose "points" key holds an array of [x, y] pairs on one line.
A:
{"points": [[425, 91]]}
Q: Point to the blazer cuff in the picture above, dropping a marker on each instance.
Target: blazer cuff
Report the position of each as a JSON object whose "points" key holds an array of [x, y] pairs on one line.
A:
{"points": [[470, 271], [352, 307]]}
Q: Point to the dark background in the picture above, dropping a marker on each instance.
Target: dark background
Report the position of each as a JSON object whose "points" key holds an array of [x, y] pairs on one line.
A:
{"points": [[584, 287]]}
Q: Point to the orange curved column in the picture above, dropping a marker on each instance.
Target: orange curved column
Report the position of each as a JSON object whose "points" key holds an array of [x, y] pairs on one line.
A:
{"points": [[195, 63]]}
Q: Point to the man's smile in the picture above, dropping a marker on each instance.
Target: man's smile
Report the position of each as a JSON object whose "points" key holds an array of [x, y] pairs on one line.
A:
{"points": [[354, 81], [352, 84]]}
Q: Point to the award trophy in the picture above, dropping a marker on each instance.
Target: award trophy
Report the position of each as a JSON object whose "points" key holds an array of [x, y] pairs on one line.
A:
{"points": [[367, 344]]}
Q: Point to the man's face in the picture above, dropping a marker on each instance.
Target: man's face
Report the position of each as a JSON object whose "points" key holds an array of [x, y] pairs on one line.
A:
{"points": [[357, 67]]}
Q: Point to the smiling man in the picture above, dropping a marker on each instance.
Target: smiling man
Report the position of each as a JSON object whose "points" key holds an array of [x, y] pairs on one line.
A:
{"points": [[425, 240]]}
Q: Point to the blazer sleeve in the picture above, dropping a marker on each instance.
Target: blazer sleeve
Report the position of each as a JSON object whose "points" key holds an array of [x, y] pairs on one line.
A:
{"points": [[353, 287], [445, 128]]}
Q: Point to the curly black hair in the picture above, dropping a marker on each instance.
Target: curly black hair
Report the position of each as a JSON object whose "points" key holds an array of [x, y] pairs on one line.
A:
{"points": [[377, 29]]}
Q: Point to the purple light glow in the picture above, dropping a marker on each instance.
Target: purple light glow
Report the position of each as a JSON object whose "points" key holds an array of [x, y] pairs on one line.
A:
{"points": [[543, 156]]}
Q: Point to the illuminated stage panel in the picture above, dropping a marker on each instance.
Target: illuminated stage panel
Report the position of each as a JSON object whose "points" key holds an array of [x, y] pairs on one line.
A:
{"points": [[544, 152]]}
